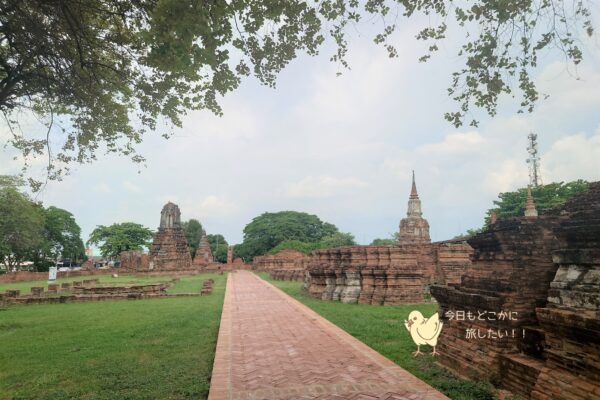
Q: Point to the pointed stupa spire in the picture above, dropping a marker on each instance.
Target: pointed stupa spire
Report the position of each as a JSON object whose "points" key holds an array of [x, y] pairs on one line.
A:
{"points": [[413, 190], [414, 203], [414, 229], [530, 210]]}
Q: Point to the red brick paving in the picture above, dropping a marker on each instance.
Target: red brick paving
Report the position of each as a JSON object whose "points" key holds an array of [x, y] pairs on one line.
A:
{"points": [[272, 347]]}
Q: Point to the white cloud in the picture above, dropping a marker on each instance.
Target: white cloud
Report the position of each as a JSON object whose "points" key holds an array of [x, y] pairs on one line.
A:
{"points": [[454, 144], [211, 206], [573, 157], [131, 187], [102, 187], [323, 187], [505, 176]]}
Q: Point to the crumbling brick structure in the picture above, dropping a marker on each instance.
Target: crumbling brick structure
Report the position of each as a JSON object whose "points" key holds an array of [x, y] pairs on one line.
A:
{"points": [[384, 274], [169, 250], [285, 265], [204, 254], [526, 313], [132, 261], [388, 274]]}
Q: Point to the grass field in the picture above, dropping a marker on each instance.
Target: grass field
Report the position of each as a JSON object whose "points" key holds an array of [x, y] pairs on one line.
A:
{"points": [[141, 349], [382, 328]]}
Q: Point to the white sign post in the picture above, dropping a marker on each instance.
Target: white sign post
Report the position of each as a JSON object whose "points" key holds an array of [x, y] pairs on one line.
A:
{"points": [[52, 274]]}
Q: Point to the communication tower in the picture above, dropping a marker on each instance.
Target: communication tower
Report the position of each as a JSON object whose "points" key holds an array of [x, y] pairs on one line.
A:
{"points": [[535, 177]]}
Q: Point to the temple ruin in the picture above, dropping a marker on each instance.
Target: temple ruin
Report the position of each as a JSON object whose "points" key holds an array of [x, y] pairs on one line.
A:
{"points": [[204, 254], [526, 313], [169, 250], [388, 274], [289, 265], [414, 229]]}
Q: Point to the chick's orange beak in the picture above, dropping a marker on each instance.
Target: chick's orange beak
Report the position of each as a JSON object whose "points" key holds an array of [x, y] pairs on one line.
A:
{"points": [[410, 322]]}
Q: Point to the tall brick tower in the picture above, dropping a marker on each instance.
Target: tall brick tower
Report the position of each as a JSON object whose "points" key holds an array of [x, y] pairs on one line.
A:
{"points": [[414, 229], [169, 250]]}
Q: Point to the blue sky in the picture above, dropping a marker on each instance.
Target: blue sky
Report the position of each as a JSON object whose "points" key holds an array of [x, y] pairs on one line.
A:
{"points": [[343, 148]]}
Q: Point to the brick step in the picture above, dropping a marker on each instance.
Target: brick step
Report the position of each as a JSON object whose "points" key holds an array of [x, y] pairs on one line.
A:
{"points": [[520, 373]]}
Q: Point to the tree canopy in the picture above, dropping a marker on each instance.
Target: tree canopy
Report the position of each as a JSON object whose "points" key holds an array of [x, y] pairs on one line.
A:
{"points": [[63, 235], [114, 239], [21, 227], [101, 73], [512, 204], [270, 229], [218, 247], [30, 232], [391, 241], [193, 232], [337, 239]]}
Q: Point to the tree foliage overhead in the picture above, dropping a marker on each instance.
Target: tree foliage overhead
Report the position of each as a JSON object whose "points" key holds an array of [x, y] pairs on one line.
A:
{"points": [[100, 73], [270, 229], [114, 239]]}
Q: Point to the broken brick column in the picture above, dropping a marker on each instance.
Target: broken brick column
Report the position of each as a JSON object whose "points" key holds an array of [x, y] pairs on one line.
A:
{"points": [[511, 269]]}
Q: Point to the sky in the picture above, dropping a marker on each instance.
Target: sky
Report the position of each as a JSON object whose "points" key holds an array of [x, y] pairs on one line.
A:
{"points": [[343, 148]]}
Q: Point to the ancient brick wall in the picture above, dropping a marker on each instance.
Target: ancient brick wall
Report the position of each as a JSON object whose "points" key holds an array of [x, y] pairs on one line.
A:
{"points": [[132, 261], [570, 320], [383, 274], [285, 265], [24, 276], [526, 313]]}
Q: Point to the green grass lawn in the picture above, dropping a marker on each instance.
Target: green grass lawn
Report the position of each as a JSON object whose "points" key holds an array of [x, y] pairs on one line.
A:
{"points": [[382, 328], [138, 349]]}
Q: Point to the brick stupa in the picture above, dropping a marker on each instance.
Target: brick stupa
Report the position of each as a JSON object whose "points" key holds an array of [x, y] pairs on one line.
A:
{"points": [[414, 229], [169, 250], [204, 255]]}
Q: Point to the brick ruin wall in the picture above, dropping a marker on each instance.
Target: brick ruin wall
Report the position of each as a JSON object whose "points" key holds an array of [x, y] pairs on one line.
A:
{"points": [[286, 265], [384, 274], [526, 314], [24, 276]]}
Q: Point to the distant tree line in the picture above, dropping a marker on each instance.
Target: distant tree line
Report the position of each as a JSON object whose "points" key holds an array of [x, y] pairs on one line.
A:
{"points": [[270, 233], [512, 204], [31, 232]]}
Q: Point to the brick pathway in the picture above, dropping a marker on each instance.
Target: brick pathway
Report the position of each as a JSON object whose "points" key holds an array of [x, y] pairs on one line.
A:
{"points": [[273, 347]]}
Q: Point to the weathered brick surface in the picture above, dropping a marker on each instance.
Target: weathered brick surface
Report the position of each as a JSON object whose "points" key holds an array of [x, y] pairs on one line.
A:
{"points": [[204, 254], [545, 272], [133, 261], [384, 274], [169, 250], [272, 347], [288, 265]]}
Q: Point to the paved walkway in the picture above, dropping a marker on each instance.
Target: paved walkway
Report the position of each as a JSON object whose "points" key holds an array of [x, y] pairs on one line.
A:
{"points": [[272, 347]]}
